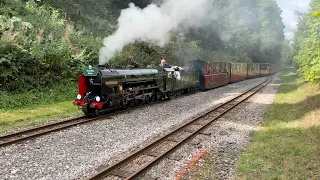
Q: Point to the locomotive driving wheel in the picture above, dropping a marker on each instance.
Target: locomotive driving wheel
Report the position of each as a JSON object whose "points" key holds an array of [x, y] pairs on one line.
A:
{"points": [[125, 103], [159, 96], [138, 102], [178, 93], [90, 112], [97, 113], [156, 96], [147, 99]]}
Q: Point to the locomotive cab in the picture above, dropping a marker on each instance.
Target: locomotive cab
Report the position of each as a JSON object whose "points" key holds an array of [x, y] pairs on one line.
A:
{"points": [[168, 80]]}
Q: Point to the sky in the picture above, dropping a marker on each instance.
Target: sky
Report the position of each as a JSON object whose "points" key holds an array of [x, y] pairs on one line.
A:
{"points": [[289, 19]]}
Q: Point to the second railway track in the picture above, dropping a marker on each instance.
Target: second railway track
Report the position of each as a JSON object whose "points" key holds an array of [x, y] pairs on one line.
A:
{"points": [[34, 132], [162, 147]]}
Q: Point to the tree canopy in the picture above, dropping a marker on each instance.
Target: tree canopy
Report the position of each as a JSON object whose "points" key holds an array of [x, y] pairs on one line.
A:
{"points": [[306, 43], [38, 53]]}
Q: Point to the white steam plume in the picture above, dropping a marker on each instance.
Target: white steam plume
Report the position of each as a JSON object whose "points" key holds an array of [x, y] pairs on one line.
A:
{"points": [[153, 23]]}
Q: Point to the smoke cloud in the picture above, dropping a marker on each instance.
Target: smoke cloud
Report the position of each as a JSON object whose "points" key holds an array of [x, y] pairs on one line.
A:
{"points": [[154, 24]]}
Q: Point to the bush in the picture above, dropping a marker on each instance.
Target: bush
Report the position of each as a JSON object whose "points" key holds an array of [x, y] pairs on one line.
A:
{"points": [[40, 53]]}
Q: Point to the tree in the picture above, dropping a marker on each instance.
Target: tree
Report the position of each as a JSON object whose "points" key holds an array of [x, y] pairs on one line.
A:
{"points": [[287, 53], [307, 44]]}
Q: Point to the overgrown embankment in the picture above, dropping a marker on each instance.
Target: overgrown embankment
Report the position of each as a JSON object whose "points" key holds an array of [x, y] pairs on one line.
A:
{"points": [[287, 145]]}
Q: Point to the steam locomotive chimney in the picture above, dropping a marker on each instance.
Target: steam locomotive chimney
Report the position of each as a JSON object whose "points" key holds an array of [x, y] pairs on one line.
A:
{"points": [[101, 67]]}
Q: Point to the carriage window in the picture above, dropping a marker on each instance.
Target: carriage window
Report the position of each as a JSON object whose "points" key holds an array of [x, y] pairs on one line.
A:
{"points": [[217, 69], [214, 68], [209, 69], [221, 68]]}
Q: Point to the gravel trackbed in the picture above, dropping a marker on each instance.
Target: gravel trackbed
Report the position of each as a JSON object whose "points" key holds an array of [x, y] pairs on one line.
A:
{"points": [[76, 152]]}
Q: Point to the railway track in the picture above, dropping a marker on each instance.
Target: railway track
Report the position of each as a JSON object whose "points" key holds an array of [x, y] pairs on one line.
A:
{"points": [[34, 132], [155, 151], [38, 131]]}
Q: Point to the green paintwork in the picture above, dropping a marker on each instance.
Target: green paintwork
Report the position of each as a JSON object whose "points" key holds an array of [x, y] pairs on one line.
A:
{"points": [[90, 71], [110, 79], [189, 78]]}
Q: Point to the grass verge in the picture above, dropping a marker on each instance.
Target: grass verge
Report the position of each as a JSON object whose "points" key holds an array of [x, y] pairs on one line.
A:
{"points": [[287, 146], [17, 118]]}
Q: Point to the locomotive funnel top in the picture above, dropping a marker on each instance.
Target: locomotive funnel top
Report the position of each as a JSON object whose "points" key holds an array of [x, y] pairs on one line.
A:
{"points": [[101, 67]]}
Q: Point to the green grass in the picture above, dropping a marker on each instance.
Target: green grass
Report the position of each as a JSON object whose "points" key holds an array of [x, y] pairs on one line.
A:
{"points": [[287, 146], [37, 98], [17, 118], [35, 107]]}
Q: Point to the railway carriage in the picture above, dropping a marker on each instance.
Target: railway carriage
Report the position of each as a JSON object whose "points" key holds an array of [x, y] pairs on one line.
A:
{"points": [[264, 69], [253, 70], [211, 74], [217, 74], [239, 72]]}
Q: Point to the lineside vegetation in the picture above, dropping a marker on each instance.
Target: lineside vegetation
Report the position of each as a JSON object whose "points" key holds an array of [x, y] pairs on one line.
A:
{"points": [[287, 145], [304, 50]]}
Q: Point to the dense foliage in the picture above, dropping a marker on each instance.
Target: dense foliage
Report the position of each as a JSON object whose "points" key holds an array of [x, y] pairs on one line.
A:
{"points": [[46, 43], [307, 45], [37, 53]]}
